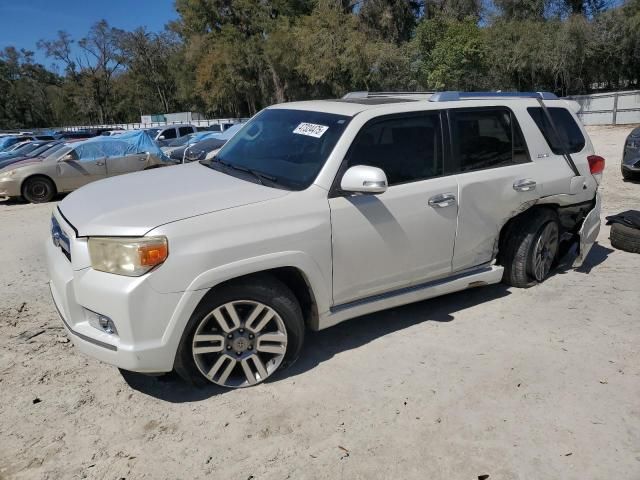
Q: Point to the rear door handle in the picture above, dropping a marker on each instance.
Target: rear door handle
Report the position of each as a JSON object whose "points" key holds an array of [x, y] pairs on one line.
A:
{"points": [[442, 200], [524, 185], [99, 163]]}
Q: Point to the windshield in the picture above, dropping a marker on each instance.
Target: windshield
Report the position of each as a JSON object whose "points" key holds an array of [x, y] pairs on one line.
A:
{"points": [[152, 132], [288, 146]]}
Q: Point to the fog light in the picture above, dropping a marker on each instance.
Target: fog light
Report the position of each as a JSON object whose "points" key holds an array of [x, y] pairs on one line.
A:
{"points": [[102, 323]]}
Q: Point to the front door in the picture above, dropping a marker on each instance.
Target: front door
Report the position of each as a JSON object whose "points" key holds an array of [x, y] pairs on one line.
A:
{"points": [[85, 164], [406, 235]]}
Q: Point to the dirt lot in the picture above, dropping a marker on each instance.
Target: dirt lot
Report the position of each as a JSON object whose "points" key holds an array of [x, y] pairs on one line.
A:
{"points": [[541, 383]]}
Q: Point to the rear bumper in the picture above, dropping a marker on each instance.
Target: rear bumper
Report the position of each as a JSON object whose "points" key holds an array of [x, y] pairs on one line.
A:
{"points": [[589, 231]]}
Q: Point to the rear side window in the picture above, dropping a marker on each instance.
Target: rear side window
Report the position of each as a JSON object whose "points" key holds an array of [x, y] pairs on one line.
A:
{"points": [[185, 131], [486, 138], [571, 136], [406, 148]]}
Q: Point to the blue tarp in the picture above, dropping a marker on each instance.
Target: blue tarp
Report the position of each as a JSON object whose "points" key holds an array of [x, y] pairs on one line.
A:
{"points": [[128, 143]]}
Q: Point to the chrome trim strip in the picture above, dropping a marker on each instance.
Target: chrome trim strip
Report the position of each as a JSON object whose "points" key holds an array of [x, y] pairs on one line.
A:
{"points": [[80, 335], [405, 290]]}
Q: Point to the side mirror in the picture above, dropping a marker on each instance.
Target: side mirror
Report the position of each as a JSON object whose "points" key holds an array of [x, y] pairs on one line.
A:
{"points": [[364, 179], [68, 158], [161, 137]]}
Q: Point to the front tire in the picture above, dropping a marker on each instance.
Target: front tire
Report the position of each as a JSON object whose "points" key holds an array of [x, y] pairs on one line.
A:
{"points": [[241, 333], [530, 248], [38, 190]]}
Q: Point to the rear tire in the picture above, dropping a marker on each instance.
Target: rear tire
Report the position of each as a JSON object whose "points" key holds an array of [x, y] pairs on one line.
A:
{"points": [[529, 248], [241, 333], [625, 238], [38, 190]]}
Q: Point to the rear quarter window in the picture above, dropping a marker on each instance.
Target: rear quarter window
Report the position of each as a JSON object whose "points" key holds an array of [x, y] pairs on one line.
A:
{"points": [[571, 137]]}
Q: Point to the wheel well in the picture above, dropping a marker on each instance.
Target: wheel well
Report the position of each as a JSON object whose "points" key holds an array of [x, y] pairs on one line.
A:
{"points": [[297, 282], [505, 231], [38, 175]]}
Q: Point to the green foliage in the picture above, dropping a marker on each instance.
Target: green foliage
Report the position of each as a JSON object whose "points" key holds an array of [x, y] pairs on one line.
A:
{"points": [[452, 54], [234, 57]]}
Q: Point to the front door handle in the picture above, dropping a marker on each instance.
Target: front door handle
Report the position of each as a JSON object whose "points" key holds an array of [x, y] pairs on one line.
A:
{"points": [[100, 163], [524, 185], [442, 200]]}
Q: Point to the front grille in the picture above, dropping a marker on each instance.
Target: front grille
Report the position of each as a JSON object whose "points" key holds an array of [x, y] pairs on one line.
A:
{"points": [[59, 238]]}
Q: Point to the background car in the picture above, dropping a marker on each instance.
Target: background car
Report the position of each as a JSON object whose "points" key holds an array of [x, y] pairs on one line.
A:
{"points": [[27, 149], [631, 156], [39, 179], [163, 135], [208, 147]]}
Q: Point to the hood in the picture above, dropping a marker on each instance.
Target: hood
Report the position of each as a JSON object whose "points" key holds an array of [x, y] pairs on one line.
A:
{"points": [[18, 162], [133, 204]]}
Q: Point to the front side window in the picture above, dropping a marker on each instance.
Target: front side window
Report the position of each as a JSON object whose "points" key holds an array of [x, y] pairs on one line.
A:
{"points": [[407, 148], [486, 138], [286, 147], [571, 139], [185, 131]]}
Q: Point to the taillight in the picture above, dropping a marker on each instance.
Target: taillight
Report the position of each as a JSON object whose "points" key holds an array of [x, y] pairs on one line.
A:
{"points": [[596, 164]]}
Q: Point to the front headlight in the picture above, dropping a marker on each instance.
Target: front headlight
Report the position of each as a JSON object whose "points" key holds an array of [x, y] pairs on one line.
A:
{"points": [[7, 174], [127, 256]]}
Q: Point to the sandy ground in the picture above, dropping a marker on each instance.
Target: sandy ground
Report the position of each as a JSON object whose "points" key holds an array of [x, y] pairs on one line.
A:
{"points": [[541, 383]]}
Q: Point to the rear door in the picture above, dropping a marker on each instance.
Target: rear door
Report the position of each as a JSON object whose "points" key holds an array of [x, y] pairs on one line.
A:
{"points": [[121, 161], [496, 179], [385, 242], [182, 131]]}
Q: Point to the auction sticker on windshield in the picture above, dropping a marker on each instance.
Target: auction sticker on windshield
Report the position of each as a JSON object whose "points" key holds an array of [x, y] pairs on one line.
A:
{"points": [[311, 130]]}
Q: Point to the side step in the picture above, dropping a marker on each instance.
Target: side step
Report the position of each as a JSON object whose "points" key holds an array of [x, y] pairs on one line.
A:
{"points": [[472, 278]]}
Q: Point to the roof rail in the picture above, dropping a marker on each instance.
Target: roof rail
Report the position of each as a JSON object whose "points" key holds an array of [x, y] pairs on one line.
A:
{"points": [[453, 96], [365, 94]]}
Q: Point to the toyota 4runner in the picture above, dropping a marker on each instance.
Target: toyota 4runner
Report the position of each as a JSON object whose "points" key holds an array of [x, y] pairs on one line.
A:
{"points": [[314, 213]]}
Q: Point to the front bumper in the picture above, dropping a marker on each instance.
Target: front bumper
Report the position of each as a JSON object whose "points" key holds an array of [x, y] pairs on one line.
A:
{"points": [[9, 187], [149, 324]]}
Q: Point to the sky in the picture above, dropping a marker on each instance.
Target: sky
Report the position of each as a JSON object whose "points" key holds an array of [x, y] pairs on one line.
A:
{"points": [[24, 22]]}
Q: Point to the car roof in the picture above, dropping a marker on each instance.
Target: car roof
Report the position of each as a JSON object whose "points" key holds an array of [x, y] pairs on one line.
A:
{"points": [[352, 104]]}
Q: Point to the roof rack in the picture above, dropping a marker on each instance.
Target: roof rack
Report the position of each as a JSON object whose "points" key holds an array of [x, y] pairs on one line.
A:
{"points": [[365, 94], [453, 96]]}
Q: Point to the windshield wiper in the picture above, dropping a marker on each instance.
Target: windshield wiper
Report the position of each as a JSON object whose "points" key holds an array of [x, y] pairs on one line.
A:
{"points": [[259, 176]]}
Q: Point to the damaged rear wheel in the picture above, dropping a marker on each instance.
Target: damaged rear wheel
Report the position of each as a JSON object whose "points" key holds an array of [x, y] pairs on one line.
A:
{"points": [[530, 248]]}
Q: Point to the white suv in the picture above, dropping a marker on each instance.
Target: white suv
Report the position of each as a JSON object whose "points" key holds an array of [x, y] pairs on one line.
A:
{"points": [[314, 213]]}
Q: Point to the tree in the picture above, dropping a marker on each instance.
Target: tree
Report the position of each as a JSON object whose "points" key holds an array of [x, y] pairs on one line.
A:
{"points": [[145, 55], [94, 67], [451, 54], [390, 20]]}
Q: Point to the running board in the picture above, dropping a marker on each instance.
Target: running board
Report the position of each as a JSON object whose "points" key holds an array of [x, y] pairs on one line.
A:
{"points": [[473, 278]]}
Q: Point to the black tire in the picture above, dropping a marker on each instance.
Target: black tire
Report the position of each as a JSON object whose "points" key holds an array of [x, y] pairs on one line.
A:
{"points": [[265, 289], [38, 189], [518, 248], [625, 238]]}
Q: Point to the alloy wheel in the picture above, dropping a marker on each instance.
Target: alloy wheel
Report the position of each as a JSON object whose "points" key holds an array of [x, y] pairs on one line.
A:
{"points": [[545, 251], [239, 343]]}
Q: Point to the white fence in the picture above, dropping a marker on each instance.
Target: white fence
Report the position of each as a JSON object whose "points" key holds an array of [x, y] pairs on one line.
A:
{"points": [[615, 108]]}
